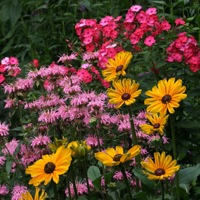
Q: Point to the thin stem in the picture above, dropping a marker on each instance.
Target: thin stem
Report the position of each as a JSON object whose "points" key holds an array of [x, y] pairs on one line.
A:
{"points": [[87, 181], [55, 191], [73, 181], [68, 187], [126, 181], [163, 190], [134, 137], [173, 135]]}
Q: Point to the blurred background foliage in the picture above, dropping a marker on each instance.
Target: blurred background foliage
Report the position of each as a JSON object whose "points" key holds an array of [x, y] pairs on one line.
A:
{"points": [[37, 29]]}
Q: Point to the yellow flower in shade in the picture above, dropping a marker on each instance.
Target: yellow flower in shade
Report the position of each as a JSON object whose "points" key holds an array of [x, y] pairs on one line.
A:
{"points": [[117, 66], [50, 167], [162, 168], [157, 125], [79, 149], [27, 195], [125, 91], [166, 96], [114, 157]]}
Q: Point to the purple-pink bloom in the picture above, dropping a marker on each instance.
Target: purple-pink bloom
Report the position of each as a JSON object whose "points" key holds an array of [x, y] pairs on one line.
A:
{"points": [[17, 191], [10, 147], [3, 190], [4, 129]]}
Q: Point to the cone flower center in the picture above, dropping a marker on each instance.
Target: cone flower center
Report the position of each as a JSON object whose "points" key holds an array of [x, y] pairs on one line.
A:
{"points": [[117, 157], [166, 99], [126, 96], [157, 125], [119, 68], [49, 167], [159, 172]]}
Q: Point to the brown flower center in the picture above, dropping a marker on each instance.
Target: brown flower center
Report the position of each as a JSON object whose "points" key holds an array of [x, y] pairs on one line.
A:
{"points": [[157, 125], [166, 99], [119, 68], [159, 172], [49, 167], [126, 96], [117, 157]]}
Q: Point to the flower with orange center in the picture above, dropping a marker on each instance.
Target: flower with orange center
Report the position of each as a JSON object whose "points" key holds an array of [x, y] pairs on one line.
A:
{"points": [[157, 125], [166, 96], [161, 168], [125, 91], [28, 196], [117, 66], [50, 167], [113, 157]]}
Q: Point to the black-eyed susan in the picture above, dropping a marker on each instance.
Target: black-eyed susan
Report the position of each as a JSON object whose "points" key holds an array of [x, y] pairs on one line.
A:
{"points": [[28, 196], [79, 149], [117, 66], [157, 125], [166, 96], [50, 167], [161, 168], [114, 157], [125, 91]]}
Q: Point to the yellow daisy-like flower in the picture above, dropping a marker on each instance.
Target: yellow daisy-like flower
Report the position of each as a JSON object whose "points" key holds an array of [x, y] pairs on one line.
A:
{"points": [[125, 92], [28, 196], [50, 167], [79, 149], [158, 123], [163, 167], [166, 96], [117, 66], [114, 157]]}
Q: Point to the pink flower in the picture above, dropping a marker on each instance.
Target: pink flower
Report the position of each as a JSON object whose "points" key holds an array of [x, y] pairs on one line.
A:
{"points": [[2, 78], [10, 146], [5, 61], [179, 21], [119, 176], [92, 140], [2, 160], [151, 11], [136, 8], [84, 75], [13, 61], [17, 192], [3, 190], [4, 129], [81, 189], [149, 41], [40, 141], [35, 63]]}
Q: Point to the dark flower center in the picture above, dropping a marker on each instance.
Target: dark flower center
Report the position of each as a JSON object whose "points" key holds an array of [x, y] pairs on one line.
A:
{"points": [[117, 157], [159, 172], [49, 167], [119, 68], [166, 99], [126, 96], [157, 125]]}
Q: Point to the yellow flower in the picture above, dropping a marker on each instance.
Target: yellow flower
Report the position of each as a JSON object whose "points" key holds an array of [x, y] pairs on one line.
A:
{"points": [[117, 66], [166, 96], [114, 157], [79, 149], [27, 195], [162, 168], [157, 123], [125, 92], [50, 167]]}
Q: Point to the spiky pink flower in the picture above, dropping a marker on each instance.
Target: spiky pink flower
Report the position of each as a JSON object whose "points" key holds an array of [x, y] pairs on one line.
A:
{"points": [[40, 140], [119, 176], [4, 129], [3, 190], [2, 160], [17, 192], [81, 189], [92, 140], [10, 147]]}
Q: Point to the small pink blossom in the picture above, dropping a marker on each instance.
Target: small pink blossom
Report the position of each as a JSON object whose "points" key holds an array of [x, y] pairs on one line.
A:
{"points": [[3, 190], [2, 160], [149, 41], [4, 130], [136, 8], [179, 21], [93, 141], [81, 189], [10, 147], [17, 192], [40, 141], [151, 11]]}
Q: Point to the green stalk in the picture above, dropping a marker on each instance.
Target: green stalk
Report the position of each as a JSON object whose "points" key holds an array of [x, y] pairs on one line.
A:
{"points": [[126, 181], [68, 187], [171, 119], [73, 181], [85, 171], [55, 191], [163, 190]]}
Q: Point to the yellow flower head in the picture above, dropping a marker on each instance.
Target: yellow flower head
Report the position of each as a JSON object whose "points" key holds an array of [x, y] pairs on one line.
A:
{"points": [[27, 195], [157, 124], [114, 157], [166, 96], [57, 143], [79, 149], [117, 66], [125, 91], [163, 166], [50, 167]]}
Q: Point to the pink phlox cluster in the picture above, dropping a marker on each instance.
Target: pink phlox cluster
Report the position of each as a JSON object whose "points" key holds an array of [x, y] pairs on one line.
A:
{"points": [[118, 176], [179, 22], [2, 160], [10, 147], [92, 140], [185, 48], [48, 116], [90, 55], [4, 129], [65, 58], [3, 190], [17, 191], [81, 189], [84, 75]]}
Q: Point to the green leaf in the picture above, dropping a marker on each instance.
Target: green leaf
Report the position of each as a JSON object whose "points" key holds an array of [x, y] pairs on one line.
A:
{"points": [[140, 196], [93, 173], [8, 167], [189, 174], [188, 124]]}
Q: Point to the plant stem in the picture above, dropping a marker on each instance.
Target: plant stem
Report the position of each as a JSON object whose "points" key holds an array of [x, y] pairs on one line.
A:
{"points": [[163, 190], [73, 181], [126, 181], [55, 191], [173, 135], [68, 186], [87, 181]]}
